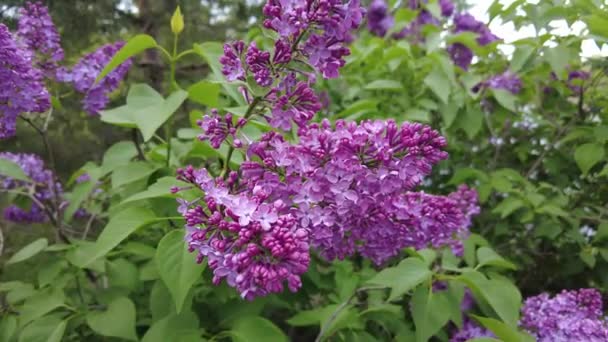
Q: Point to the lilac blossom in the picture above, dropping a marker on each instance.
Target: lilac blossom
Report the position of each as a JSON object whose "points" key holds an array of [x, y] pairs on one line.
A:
{"points": [[42, 187], [464, 22], [22, 89], [575, 315], [85, 72], [507, 81], [379, 20], [38, 34], [217, 129], [470, 330]]}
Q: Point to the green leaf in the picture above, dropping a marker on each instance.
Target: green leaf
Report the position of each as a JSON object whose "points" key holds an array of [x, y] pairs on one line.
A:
{"points": [[587, 155], [45, 329], [384, 85], [162, 188], [403, 277], [311, 317], [122, 274], [502, 296], [40, 304], [119, 228], [8, 326], [508, 206], [505, 98], [28, 251], [12, 170], [118, 320], [439, 84], [81, 192], [50, 270], [502, 330], [558, 57], [254, 328], [431, 311], [132, 172], [521, 56], [117, 155], [177, 267], [471, 120], [177, 328], [588, 257], [597, 25], [488, 257], [206, 93], [134, 46], [145, 109]]}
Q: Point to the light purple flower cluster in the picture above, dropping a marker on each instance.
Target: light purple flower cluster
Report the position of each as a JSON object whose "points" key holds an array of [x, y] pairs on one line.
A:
{"points": [[22, 89], [470, 330], [507, 81], [83, 75], [252, 242], [569, 316], [38, 34], [380, 20], [42, 187], [460, 53]]}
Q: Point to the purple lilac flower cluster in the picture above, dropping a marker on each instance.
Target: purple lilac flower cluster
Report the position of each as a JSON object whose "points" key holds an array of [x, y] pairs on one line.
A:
{"points": [[470, 330], [42, 187], [22, 89], [38, 34], [83, 75], [507, 81], [460, 53], [309, 32], [569, 316], [252, 242], [344, 190]]}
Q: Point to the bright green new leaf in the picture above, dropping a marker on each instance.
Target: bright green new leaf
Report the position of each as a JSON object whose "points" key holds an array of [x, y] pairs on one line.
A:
{"points": [[119, 228], [134, 46], [118, 320], [177, 21], [505, 98], [403, 277], [162, 188], [177, 267], [254, 328], [29, 251], [12, 170], [8, 326], [587, 155], [558, 57], [521, 56]]}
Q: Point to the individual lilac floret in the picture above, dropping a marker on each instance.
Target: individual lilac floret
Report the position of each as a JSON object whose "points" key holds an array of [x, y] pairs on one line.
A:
{"points": [[379, 20], [42, 187], [576, 79], [246, 239], [84, 73], [507, 81], [37, 32], [447, 7], [232, 61], [217, 129], [292, 102], [22, 89], [461, 55], [574, 315]]}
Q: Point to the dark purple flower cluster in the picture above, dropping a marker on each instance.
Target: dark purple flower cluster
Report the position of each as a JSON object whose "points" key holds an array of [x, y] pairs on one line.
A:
{"points": [[569, 316], [252, 242], [576, 79], [310, 33], [83, 75], [379, 19], [216, 129], [38, 34], [345, 189], [22, 89], [507, 81], [42, 187], [460, 53]]}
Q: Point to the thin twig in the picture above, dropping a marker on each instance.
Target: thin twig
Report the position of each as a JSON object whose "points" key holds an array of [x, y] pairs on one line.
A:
{"points": [[88, 226], [248, 114], [135, 138]]}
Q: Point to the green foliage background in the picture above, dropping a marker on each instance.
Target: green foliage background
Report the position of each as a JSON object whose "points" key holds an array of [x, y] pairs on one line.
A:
{"points": [[126, 275]]}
